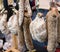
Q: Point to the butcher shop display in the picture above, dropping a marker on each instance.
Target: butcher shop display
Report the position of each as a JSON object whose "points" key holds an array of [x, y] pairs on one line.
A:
{"points": [[29, 26]]}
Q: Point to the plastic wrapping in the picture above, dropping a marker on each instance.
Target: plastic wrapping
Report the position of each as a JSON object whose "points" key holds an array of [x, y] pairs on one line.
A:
{"points": [[13, 24], [7, 45], [38, 28], [3, 24]]}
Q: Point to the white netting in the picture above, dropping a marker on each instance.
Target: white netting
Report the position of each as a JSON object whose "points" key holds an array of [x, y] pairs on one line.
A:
{"points": [[3, 24], [13, 24], [38, 29]]}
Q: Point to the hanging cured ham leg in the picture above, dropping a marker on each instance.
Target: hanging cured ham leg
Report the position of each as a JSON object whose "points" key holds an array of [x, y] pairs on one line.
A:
{"points": [[21, 46], [3, 19], [12, 25], [24, 22], [52, 21]]}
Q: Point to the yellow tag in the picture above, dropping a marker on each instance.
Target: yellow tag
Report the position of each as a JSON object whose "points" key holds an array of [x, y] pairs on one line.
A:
{"points": [[10, 2]]}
